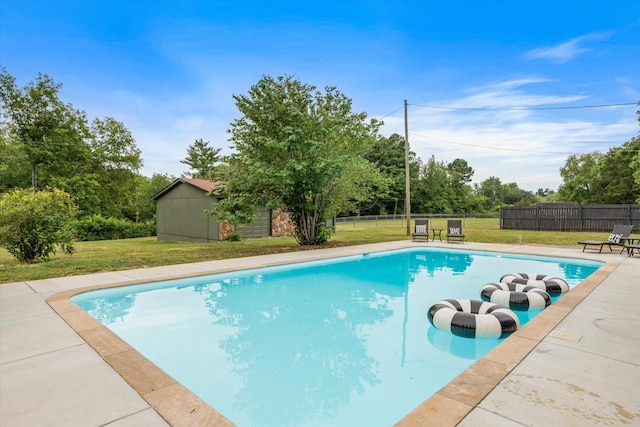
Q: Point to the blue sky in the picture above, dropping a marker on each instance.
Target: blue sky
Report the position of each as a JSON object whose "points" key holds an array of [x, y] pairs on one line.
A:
{"points": [[168, 70]]}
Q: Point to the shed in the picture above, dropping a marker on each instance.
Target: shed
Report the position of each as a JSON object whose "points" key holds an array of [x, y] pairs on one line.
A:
{"points": [[180, 214]]}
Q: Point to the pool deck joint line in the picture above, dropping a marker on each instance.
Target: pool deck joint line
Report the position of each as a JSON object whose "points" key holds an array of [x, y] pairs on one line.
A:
{"points": [[467, 400]]}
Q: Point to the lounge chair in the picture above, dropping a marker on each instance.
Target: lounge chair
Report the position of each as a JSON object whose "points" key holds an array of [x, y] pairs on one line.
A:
{"points": [[615, 239], [421, 231], [454, 230]]}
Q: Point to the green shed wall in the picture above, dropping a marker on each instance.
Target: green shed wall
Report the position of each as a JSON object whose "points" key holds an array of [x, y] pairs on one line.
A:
{"points": [[181, 218]]}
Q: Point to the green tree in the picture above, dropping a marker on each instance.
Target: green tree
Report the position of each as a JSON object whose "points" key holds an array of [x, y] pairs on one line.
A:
{"points": [[14, 165], [33, 223], [491, 191], [544, 192], [145, 189], [611, 178], [432, 192], [579, 174], [46, 129], [514, 195], [635, 164], [616, 183], [51, 144], [460, 174], [635, 167], [116, 160], [388, 154], [102, 175], [202, 159], [495, 194], [299, 149], [596, 178]]}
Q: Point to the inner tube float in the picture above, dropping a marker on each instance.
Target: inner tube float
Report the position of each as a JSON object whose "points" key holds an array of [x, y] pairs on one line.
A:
{"points": [[473, 318], [553, 285], [460, 347], [516, 296]]}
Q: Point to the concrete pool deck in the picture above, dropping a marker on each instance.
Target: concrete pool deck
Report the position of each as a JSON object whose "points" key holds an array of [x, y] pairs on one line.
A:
{"points": [[575, 364]]}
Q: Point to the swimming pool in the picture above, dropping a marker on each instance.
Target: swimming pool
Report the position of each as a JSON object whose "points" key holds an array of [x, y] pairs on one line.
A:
{"points": [[338, 342]]}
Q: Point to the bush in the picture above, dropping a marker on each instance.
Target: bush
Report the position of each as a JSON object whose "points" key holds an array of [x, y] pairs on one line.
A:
{"points": [[33, 223], [323, 236], [234, 236], [97, 227]]}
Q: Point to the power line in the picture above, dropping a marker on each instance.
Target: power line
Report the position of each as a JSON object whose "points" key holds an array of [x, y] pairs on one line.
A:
{"points": [[394, 111], [525, 109], [489, 147], [501, 148]]}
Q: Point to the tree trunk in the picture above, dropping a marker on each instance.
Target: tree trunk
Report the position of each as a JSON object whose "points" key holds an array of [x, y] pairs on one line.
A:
{"points": [[306, 228], [34, 175]]}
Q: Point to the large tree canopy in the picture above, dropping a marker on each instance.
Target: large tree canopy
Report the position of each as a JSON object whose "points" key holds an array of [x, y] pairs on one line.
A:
{"points": [[388, 154], [432, 192], [47, 143], [579, 175], [299, 149], [610, 178], [45, 128], [595, 178], [617, 183]]}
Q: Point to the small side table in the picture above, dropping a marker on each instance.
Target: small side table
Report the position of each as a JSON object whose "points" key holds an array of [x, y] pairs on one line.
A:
{"points": [[437, 232], [631, 248], [630, 243]]}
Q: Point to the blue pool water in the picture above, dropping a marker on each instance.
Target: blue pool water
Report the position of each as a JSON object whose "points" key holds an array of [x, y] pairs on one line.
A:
{"points": [[339, 342]]}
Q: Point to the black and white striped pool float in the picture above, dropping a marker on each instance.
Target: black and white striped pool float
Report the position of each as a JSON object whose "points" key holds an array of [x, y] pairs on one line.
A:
{"points": [[553, 285], [473, 318], [516, 296]]}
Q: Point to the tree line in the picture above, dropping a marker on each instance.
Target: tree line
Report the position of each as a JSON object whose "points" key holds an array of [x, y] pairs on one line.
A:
{"points": [[46, 143], [603, 178], [295, 147]]}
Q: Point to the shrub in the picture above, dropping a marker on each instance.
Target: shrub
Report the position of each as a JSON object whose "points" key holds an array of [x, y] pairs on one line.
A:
{"points": [[33, 223], [97, 227], [234, 236], [323, 236]]}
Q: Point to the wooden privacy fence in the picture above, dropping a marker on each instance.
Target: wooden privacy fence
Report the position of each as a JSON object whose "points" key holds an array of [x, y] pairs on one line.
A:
{"points": [[569, 217]]}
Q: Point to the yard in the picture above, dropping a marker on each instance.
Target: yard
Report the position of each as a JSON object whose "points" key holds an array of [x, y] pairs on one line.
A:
{"points": [[113, 255]]}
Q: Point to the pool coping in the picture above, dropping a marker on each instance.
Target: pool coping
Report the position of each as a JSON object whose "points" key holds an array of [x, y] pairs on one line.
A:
{"points": [[448, 406]]}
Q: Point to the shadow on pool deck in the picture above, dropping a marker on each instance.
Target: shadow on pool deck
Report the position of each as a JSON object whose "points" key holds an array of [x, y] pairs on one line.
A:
{"points": [[576, 363]]}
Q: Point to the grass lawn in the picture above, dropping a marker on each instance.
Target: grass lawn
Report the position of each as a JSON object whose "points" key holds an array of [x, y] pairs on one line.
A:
{"points": [[113, 255]]}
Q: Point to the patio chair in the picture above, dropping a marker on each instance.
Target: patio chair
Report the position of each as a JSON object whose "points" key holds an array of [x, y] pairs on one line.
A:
{"points": [[421, 231], [616, 238], [454, 230]]}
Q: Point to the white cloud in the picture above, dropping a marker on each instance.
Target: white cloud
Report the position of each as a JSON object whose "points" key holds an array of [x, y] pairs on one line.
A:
{"points": [[566, 51], [507, 94], [527, 146], [627, 88]]}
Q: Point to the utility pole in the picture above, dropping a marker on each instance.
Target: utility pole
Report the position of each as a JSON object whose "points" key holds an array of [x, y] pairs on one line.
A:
{"points": [[407, 176]]}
